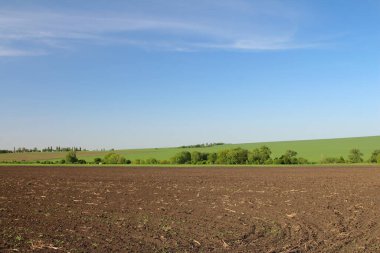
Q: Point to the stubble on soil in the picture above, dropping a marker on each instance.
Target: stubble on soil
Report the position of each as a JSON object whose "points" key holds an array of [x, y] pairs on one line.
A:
{"points": [[189, 209]]}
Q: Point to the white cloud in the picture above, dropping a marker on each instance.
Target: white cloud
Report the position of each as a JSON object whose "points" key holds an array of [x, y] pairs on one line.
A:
{"points": [[245, 27], [9, 52]]}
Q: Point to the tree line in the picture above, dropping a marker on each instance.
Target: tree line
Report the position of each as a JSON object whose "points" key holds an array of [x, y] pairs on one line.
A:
{"points": [[262, 155], [47, 149], [203, 145], [258, 156]]}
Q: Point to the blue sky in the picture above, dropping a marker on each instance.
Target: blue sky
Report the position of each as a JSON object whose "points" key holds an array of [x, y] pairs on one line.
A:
{"points": [[131, 74]]}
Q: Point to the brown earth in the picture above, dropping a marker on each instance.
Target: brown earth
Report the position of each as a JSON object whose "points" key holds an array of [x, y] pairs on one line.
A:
{"points": [[189, 209]]}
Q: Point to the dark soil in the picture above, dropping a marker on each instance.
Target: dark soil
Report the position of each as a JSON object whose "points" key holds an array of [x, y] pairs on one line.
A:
{"points": [[189, 209]]}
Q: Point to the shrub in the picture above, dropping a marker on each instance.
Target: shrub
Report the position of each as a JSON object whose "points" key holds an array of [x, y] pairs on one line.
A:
{"points": [[374, 156], [181, 158], [71, 157], [82, 161], [290, 157], [114, 158], [232, 156], [97, 160], [151, 161], [211, 158], [333, 160], [302, 160], [259, 155], [355, 156], [269, 161], [198, 157]]}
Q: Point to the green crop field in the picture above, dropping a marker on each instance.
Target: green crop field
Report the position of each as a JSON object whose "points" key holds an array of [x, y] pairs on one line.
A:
{"points": [[313, 150]]}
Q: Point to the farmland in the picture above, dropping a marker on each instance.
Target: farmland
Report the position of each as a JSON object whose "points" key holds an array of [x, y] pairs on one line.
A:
{"points": [[69, 209], [312, 150]]}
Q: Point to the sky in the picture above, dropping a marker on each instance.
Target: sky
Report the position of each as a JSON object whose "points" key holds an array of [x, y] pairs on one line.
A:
{"points": [[138, 73]]}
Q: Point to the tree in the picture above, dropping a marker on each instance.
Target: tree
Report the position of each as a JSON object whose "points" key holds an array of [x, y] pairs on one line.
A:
{"points": [[222, 156], [198, 157], [374, 156], [238, 156], [152, 161], [114, 158], [211, 158], [232, 156], [181, 158], [288, 158], [97, 160], [355, 156], [259, 155], [333, 160], [71, 157]]}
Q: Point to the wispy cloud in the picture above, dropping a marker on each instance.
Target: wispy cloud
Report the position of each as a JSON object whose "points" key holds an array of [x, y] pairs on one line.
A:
{"points": [[9, 52], [244, 27]]}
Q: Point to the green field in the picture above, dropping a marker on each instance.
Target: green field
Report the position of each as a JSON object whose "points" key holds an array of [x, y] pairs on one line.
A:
{"points": [[313, 150]]}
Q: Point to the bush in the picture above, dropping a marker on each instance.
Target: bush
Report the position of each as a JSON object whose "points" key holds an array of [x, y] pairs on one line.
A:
{"points": [[378, 158], [269, 161], [232, 156], [355, 156], [259, 155], [198, 157], [97, 160], [302, 160], [114, 158], [333, 160], [71, 157], [211, 158], [374, 156], [290, 157], [181, 158], [151, 161], [81, 162]]}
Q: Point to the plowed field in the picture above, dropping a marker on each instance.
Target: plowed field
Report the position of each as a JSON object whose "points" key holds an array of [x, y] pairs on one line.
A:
{"points": [[189, 209]]}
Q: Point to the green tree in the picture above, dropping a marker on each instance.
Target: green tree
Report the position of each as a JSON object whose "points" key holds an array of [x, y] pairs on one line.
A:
{"points": [[71, 157], [374, 156], [222, 156], [232, 156], [355, 156], [290, 157], [181, 158], [260, 155], [238, 156], [198, 157], [114, 158], [211, 158], [97, 160], [152, 161]]}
